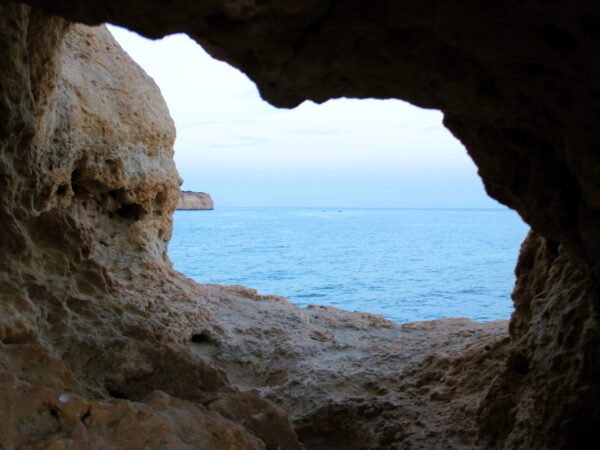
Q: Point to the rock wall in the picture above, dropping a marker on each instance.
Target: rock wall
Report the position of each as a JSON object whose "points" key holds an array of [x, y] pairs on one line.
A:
{"points": [[88, 187], [189, 200], [91, 354], [103, 345], [550, 382]]}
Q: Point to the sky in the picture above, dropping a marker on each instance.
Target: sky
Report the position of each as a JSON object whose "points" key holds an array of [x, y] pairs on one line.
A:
{"points": [[343, 153]]}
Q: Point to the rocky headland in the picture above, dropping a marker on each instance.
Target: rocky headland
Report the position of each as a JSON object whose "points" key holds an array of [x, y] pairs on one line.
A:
{"points": [[104, 345], [189, 200]]}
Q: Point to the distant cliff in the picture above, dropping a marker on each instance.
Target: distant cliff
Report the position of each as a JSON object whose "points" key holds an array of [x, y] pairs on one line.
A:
{"points": [[194, 200]]}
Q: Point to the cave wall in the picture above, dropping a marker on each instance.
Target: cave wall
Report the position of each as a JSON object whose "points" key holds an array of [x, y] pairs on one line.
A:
{"points": [[518, 84], [88, 180], [93, 354], [547, 394]]}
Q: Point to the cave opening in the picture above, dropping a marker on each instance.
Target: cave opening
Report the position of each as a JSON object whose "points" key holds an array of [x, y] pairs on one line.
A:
{"points": [[96, 319], [366, 205]]}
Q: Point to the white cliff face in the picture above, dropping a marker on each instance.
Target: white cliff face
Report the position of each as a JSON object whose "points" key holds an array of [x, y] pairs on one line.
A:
{"points": [[189, 200]]}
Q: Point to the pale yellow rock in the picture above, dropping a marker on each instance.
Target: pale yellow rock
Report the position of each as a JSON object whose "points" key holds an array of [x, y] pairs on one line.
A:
{"points": [[92, 354]]}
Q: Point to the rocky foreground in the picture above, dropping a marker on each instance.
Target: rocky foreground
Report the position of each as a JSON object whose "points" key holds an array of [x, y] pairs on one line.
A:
{"points": [[214, 367], [357, 381]]}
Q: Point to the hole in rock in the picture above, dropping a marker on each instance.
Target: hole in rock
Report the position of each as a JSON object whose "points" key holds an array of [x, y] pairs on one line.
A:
{"points": [[116, 393], [131, 211], [53, 412], [61, 191], [202, 338], [85, 252], [75, 182], [519, 364], [86, 417], [359, 204]]}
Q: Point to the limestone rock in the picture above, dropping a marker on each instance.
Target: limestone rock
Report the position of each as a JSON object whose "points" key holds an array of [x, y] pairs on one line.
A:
{"points": [[91, 353], [555, 332], [41, 418], [372, 385], [265, 420], [189, 200], [91, 307]]}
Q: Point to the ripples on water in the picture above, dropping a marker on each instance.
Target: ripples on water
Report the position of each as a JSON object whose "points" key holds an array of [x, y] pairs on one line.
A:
{"points": [[407, 265]]}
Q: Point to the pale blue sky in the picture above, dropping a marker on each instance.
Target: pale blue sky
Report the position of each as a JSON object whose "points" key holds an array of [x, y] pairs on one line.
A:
{"points": [[344, 153]]}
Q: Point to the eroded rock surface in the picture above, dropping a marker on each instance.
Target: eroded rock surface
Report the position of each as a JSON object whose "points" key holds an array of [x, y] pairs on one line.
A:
{"points": [[92, 309], [550, 382], [105, 346], [355, 380], [89, 357]]}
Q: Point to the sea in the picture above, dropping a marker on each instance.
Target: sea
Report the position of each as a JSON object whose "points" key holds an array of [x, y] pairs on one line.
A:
{"points": [[405, 264]]}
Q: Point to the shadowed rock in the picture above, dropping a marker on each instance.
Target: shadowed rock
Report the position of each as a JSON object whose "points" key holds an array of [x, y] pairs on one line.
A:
{"points": [[91, 305]]}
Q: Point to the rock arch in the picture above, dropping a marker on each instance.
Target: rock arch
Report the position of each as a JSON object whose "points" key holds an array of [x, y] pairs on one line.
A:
{"points": [[518, 85]]}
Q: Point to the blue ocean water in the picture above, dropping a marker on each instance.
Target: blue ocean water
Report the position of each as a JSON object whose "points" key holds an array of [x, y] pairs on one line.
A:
{"points": [[405, 264]]}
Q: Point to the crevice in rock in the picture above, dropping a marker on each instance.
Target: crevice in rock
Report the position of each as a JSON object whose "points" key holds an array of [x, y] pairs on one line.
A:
{"points": [[131, 211], [86, 417], [519, 363], [202, 338], [117, 393], [76, 186], [62, 190]]}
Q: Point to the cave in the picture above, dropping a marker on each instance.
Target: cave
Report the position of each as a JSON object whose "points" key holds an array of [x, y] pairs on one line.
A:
{"points": [[105, 345]]}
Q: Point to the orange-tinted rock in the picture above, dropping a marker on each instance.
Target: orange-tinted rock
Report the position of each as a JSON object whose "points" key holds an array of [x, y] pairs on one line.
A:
{"points": [[265, 420]]}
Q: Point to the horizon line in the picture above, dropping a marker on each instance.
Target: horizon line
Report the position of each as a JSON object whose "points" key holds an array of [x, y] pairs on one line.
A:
{"points": [[500, 208]]}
